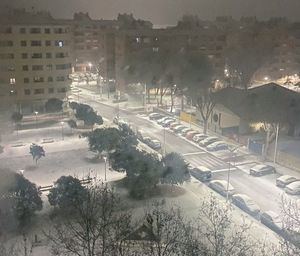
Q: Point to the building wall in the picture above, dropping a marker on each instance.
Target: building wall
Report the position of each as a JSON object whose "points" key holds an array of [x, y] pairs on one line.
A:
{"points": [[35, 64]]}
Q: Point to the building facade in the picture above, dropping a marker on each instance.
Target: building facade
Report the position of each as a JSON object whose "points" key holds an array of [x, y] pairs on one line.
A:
{"points": [[35, 60]]}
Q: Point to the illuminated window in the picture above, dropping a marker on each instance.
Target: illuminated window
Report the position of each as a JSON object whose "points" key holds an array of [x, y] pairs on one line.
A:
{"points": [[12, 80]]}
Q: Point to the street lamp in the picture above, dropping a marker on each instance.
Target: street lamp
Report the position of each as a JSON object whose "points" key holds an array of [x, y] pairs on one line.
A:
{"points": [[36, 113], [90, 66], [62, 130], [105, 159], [228, 174]]}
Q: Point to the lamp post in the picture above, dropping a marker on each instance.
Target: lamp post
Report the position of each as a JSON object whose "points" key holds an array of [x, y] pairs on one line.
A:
{"points": [[105, 159], [36, 113], [229, 169], [62, 130], [164, 141]]}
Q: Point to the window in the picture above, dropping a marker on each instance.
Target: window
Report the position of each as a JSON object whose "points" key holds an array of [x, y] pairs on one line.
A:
{"points": [[48, 43], [47, 31], [6, 43], [37, 56], [58, 31], [60, 78], [61, 90], [12, 81], [23, 43], [26, 91], [37, 67], [50, 79], [39, 91], [25, 68], [13, 92], [6, 56], [49, 67], [48, 55], [59, 43], [24, 55], [22, 30], [35, 31], [38, 79], [63, 66], [26, 80], [36, 43], [59, 55], [11, 68], [50, 90]]}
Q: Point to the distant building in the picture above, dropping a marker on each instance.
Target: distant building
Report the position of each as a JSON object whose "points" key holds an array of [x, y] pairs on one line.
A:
{"points": [[35, 60]]}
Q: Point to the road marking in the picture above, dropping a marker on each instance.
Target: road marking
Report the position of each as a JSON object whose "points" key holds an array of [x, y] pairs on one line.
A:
{"points": [[194, 153], [224, 170]]}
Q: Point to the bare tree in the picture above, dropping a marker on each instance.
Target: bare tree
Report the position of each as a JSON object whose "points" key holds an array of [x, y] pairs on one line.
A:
{"points": [[97, 226]]}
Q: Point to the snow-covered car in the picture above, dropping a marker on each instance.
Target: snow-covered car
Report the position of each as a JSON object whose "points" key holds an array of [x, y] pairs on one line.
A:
{"points": [[199, 137], [285, 180], [184, 131], [173, 124], [216, 146], [293, 188], [220, 186], [191, 134], [155, 116], [272, 220], [167, 122], [246, 203], [201, 173], [179, 128], [262, 169], [155, 144], [161, 120], [208, 141]]}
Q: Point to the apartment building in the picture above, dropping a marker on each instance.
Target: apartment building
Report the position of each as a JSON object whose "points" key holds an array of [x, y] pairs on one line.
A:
{"points": [[35, 60]]}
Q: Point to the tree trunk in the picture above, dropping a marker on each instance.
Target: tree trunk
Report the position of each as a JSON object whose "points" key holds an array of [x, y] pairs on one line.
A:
{"points": [[172, 102], [182, 102], [148, 91], [205, 126]]}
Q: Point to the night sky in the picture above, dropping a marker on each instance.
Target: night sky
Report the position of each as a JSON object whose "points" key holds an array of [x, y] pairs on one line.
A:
{"points": [[165, 12]]}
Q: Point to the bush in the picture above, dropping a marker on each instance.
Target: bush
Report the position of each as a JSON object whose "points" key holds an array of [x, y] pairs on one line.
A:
{"points": [[54, 105]]}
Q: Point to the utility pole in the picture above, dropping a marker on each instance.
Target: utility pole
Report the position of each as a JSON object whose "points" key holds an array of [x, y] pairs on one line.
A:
{"points": [[276, 144], [164, 141]]}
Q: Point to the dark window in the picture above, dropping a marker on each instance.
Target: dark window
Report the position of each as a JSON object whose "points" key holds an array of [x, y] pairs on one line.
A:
{"points": [[25, 68], [48, 43], [61, 90], [47, 31], [37, 67], [58, 31], [6, 56], [35, 31], [39, 91], [24, 55], [59, 55], [26, 91], [50, 79], [36, 43], [6, 43], [37, 56], [26, 80], [23, 30], [23, 43], [60, 78], [50, 90], [63, 66], [48, 55]]}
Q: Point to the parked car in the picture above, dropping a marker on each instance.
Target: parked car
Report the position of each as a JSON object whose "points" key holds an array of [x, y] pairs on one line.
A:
{"points": [[161, 120], [201, 173], [179, 128], [216, 146], [199, 137], [208, 141], [140, 135], [116, 120], [272, 220], [155, 144], [220, 186], [285, 180], [262, 169], [185, 131], [146, 139], [172, 125], [191, 134], [167, 122], [246, 203], [155, 116], [293, 188]]}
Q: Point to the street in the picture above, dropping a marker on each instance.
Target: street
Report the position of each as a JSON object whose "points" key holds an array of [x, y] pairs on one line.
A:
{"points": [[261, 189]]}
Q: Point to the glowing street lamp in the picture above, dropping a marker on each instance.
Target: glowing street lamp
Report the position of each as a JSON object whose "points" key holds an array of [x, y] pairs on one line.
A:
{"points": [[36, 113]]}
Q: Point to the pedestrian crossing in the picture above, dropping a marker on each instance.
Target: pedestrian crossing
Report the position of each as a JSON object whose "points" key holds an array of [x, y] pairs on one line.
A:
{"points": [[207, 160]]}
